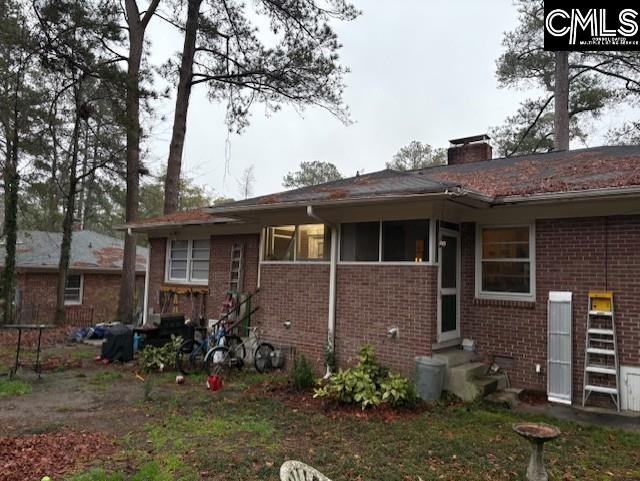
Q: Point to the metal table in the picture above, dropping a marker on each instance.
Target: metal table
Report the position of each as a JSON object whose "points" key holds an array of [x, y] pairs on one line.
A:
{"points": [[26, 327]]}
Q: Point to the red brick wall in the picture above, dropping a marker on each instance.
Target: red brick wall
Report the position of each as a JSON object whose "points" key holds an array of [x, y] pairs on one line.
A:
{"points": [[298, 293], [570, 255], [219, 263], [371, 299], [100, 292]]}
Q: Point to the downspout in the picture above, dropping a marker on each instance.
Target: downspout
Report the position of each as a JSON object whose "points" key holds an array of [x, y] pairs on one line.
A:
{"points": [[145, 302], [331, 318]]}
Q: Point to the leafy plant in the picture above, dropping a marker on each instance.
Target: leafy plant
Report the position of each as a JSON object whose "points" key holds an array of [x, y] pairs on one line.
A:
{"points": [[398, 391], [368, 384], [302, 376], [158, 358]]}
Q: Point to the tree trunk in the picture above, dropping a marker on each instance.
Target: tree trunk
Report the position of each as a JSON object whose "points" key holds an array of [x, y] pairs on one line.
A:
{"points": [[174, 163], [11, 183], [67, 223], [137, 28], [561, 118], [84, 170], [52, 201]]}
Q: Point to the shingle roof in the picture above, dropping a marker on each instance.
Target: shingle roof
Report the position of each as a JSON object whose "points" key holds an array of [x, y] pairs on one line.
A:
{"points": [[558, 172], [552, 172], [377, 184], [564, 171], [89, 250]]}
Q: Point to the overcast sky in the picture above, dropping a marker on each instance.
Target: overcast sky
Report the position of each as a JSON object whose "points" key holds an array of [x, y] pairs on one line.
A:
{"points": [[420, 70]]}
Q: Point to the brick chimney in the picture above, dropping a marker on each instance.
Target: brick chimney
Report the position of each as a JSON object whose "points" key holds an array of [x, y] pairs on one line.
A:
{"points": [[469, 149]]}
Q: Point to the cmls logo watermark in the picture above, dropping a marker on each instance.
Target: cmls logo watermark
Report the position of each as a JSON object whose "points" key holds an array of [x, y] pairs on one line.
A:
{"points": [[573, 26]]}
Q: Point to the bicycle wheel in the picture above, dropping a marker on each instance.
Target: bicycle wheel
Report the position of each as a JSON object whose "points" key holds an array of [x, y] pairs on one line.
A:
{"points": [[220, 362], [190, 357], [262, 357], [236, 350]]}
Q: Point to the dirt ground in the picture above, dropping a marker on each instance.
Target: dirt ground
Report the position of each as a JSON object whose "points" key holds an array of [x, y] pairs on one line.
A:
{"points": [[85, 421]]}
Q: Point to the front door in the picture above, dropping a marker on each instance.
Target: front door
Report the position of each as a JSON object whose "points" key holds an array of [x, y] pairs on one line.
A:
{"points": [[449, 286]]}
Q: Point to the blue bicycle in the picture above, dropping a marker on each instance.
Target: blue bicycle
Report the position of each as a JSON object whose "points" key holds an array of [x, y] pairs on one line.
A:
{"points": [[191, 356]]}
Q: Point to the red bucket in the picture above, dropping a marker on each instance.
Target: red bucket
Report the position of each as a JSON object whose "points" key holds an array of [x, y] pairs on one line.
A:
{"points": [[214, 383]]}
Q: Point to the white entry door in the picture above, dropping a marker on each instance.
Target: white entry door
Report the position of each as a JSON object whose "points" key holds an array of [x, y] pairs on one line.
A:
{"points": [[449, 286], [559, 323]]}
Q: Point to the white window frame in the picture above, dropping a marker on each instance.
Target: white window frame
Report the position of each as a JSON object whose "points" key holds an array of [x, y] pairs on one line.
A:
{"points": [[507, 296], [432, 246], [81, 294], [188, 280], [263, 245]]}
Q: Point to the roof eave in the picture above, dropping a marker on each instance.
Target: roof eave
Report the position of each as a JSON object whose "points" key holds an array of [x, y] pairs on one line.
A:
{"points": [[249, 209], [143, 227], [544, 197]]}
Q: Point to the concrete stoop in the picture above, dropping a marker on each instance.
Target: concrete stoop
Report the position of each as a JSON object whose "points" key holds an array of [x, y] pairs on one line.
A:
{"points": [[466, 377]]}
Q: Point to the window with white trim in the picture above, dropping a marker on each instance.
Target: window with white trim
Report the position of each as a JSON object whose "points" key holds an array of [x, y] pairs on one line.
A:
{"points": [[504, 263], [73, 289], [302, 243], [188, 261], [385, 241]]}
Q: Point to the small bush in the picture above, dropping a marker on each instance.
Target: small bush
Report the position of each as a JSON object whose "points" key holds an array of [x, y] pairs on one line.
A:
{"points": [[368, 384], [302, 376], [159, 358]]}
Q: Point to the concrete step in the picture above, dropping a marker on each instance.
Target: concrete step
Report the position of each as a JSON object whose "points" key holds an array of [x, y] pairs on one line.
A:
{"points": [[460, 380], [455, 357], [485, 385], [508, 398], [501, 379]]}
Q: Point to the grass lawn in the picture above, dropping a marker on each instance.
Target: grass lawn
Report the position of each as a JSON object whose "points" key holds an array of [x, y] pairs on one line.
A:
{"points": [[246, 430]]}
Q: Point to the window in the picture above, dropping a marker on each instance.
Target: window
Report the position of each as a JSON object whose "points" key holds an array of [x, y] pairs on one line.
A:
{"points": [[73, 289], [305, 242], [188, 261], [505, 255], [314, 243], [359, 241], [401, 241], [405, 240]]}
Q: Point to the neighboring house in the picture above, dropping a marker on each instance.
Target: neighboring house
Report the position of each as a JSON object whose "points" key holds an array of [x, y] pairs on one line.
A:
{"points": [[467, 250], [93, 283]]}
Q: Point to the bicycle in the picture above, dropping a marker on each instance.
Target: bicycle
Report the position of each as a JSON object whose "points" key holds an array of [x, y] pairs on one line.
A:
{"points": [[191, 355], [221, 360]]}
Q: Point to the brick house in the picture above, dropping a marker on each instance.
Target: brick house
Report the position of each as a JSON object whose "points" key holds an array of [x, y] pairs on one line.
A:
{"points": [[471, 249], [93, 283]]}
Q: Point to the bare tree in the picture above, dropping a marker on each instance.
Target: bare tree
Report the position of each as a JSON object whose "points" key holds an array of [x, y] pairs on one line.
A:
{"points": [[246, 181]]}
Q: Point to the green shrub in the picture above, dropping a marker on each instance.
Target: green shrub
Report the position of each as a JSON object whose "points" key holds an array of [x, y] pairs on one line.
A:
{"points": [[160, 358], [368, 384], [302, 376]]}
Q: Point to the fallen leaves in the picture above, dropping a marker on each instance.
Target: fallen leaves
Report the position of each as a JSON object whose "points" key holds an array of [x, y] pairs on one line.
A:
{"points": [[31, 457]]}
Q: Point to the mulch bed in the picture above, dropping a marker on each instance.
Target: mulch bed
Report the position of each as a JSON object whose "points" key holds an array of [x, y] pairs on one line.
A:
{"points": [[334, 410], [27, 458], [50, 337]]}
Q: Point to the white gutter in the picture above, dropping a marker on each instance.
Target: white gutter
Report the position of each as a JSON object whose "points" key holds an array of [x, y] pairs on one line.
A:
{"points": [[569, 195], [145, 302], [333, 271]]}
